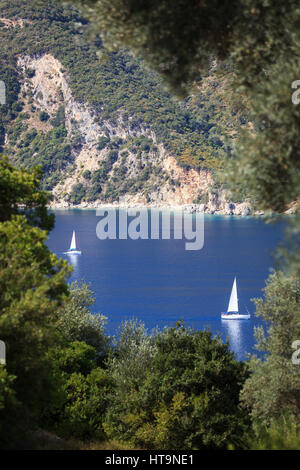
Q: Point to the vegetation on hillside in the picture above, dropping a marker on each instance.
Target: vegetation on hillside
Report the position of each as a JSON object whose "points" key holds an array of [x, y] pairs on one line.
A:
{"points": [[121, 91]]}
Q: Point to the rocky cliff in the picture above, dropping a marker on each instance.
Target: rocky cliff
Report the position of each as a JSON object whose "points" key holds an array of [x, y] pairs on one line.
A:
{"points": [[46, 90]]}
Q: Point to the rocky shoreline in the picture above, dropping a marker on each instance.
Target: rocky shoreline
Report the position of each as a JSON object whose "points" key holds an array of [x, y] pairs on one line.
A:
{"points": [[241, 209]]}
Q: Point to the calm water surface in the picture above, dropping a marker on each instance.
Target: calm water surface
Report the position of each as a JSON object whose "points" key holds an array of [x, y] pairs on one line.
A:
{"points": [[159, 282]]}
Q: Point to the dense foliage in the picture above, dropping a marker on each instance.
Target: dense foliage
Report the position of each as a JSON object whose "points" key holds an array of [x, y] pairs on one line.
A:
{"points": [[176, 389], [20, 195], [33, 286], [273, 387], [177, 38], [75, 320], [183, 394]]}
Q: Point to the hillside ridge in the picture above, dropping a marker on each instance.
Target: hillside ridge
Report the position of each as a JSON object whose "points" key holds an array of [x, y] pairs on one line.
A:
{"points": [[104, 130]]}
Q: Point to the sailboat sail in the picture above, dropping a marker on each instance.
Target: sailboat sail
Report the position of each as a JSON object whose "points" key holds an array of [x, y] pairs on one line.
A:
{"points": [[233, 301], [233, 307], [73, 250], [73, 242]]}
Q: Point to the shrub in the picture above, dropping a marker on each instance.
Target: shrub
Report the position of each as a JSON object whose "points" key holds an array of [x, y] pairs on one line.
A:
{"points": [[184, 394], [44, 116], [87, 174], [77, 323], [77, 193], [102, 142]]}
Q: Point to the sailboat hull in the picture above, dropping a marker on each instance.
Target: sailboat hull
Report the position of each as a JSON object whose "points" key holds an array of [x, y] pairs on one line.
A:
{"points": [[72, 252], [235, 316]]}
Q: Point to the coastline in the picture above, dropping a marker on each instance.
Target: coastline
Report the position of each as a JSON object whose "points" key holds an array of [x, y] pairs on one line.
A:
{"points": [[241, 209]]}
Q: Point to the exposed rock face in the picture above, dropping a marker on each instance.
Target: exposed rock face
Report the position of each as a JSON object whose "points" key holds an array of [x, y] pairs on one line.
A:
{"points": [[9, 23], [191, 183], [293, 207], [171, 185]]}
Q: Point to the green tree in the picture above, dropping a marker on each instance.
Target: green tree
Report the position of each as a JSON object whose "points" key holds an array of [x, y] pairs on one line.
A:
{"points": [[33, 286], [131, 356], [280, 434], [75, 356], [20, 194], [8, 404], [77, 323], [83, 392], [86, 401], [44, 116], [272, 390], [177, 38], [187, 397]]}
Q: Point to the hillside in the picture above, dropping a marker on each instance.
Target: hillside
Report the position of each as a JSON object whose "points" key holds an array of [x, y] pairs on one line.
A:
{"points": [[101, 125]]}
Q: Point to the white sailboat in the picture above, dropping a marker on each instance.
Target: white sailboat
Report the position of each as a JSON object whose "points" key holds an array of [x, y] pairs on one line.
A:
{"points": [[233, 307], [73, 248]]}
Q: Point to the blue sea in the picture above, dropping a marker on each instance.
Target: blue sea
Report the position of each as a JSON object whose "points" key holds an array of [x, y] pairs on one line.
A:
{"points": [[160, 282]]}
